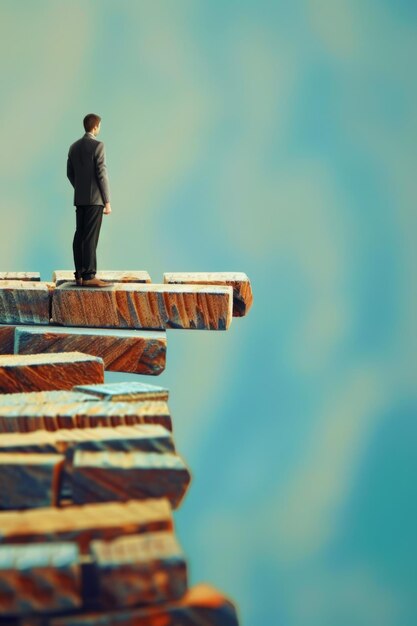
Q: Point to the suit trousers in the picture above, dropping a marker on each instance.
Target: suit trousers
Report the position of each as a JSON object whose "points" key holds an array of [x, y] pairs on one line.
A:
{"points": [[84, 245]]}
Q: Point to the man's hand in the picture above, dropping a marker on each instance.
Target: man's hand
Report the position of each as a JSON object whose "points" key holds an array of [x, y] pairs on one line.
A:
{"points": [[107, 208]]}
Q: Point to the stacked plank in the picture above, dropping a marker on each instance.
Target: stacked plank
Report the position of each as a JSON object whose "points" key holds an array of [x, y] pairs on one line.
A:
{"points": [[48, 371], [89, 472], [88, 480], [124, 323]]}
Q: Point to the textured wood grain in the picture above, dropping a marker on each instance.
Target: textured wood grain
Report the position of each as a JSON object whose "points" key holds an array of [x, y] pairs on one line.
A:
{"points": [[26, 276], [38, 372], [29, 480], [140, 437], [131, 351], [139, 569], [125, 392], [56, 416], [242, 290], [122, 276], [40, 578], [7, 339], [113, 475], [125, 305], [45, 397], [25, 302], [83, 524], [200, 606]]}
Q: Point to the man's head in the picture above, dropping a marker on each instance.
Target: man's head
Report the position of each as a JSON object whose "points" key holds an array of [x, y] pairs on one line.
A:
{"points": [[92, 123]]}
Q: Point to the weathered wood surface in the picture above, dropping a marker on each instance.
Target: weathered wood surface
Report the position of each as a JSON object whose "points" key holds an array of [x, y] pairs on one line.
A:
{"points": [[123, 276], [29, 480], [41, 578], [242, 290], [27, 276], [83, 524], [155, 307], [25, 302], [202, 605], [131, 351], [40, 372], [56, 416], [113, 475], [125, 392], [140, 437], [7, 339], [45, 397], [139, 569]]}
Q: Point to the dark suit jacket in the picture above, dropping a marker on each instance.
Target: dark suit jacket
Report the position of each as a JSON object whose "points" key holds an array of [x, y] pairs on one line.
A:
{"points": [[87, 171]]}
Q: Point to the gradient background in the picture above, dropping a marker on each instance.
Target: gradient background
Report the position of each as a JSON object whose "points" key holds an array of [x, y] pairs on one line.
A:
{"points": [[277, 139]]}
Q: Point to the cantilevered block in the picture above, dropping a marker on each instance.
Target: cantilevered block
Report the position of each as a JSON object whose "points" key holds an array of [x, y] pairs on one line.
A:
{"points": [[109, 475], [7, 339], [25, 302], [27, 276], [112, 276], [125, 392], [45, 397], [143, 437], [29, 480], [242, 290], [132, 351], [200, 606], [37, 372], [29, 417], [126, 305], [139, 569], [41, 578], [83, 524]]}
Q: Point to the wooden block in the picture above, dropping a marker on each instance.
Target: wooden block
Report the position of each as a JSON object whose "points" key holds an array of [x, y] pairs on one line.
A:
{"points": [[143, 437], [242, 290], [139, 569], [25, 302], [29, 480], [110, 475], [46, 397], [38, 372], [29, 417], [83, 524], [7, 339], [132, 351], [27, 276], [156, 307], [125, 392], [40, 578], [134, 276], [200, 606]]}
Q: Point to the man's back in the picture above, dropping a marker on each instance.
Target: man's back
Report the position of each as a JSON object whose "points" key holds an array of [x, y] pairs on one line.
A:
{"points": [[87, 171]]}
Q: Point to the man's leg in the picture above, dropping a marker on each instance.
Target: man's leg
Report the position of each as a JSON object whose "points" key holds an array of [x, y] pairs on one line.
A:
{"points": [[77, 242], [93, 216]]}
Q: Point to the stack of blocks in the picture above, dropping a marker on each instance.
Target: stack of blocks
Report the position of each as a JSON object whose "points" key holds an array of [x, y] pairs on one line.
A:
{"points": [[89, 471]]}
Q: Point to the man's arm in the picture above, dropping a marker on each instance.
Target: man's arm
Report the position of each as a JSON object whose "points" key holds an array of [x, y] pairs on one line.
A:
{"points": [[70, 171], [101, 172]]}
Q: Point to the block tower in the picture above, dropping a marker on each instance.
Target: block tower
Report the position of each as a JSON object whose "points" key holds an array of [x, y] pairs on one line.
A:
{"points": [[89, 471]]}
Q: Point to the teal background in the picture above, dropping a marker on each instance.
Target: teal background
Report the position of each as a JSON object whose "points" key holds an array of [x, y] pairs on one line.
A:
{"points": [[277, 139]]}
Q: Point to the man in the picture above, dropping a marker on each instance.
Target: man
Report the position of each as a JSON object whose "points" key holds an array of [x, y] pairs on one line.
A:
{"points": [[87, 173]]}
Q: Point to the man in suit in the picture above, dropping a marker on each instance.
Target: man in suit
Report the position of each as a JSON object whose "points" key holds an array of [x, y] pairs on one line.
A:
{"points": [[87, 173]]}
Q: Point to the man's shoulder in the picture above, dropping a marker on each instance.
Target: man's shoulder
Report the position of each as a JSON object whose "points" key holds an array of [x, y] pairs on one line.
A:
{"points": [[75, 143], [99, 147]]}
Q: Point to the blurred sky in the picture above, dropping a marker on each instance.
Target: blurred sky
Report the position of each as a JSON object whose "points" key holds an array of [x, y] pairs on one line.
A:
{"points": [[277, 139]]}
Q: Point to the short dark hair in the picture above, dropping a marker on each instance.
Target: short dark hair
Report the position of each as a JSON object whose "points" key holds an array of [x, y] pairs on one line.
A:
{"points": [[90, 121]]}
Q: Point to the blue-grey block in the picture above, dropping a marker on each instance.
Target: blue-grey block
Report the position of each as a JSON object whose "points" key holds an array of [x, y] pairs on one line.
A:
{"points": [[125, 391]]}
